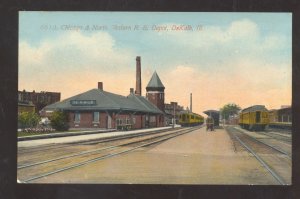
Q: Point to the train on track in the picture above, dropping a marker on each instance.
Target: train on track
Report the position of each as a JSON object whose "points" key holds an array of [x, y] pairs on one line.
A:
{"points": [[257, 117], [187, 118], [254, 118]]}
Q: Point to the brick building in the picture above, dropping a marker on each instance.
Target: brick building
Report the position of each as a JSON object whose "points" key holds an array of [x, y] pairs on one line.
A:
{"points": [[155, 93], [38, 99], [97, 108], [169, 111], [25, 107]]}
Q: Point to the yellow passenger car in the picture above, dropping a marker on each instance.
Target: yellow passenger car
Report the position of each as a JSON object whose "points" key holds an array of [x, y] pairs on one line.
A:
{"points": [[187, 118], [254, 118]]}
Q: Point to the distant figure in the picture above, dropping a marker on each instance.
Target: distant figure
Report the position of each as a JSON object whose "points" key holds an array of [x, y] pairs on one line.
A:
{"points": [[209, 123]]}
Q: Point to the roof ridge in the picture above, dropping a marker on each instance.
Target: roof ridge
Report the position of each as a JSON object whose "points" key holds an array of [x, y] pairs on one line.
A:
{"points": [[141, 101], [103, 93]]}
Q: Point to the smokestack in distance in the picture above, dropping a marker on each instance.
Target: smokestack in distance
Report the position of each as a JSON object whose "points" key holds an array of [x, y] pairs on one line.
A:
{"points": [[131, 90], [138, 87], [100, 85], [191, 102]]}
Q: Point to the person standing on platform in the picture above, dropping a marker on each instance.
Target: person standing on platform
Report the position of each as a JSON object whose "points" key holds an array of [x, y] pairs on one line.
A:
{"points": [[209, 123]]}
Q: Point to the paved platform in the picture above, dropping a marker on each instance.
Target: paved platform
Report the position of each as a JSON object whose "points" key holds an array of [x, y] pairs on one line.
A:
{"points": [[199, 157], [64, 134], [81, 136]]}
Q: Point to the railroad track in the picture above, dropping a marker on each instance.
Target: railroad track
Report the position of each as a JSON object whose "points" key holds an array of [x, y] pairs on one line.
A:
{"points": [[266, 144], [48, 147], [277, 136], [75, 160], [259, 150]]}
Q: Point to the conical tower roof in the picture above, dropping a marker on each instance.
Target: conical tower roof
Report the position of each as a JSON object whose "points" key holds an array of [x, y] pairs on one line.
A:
{"points": [[155, 82]]}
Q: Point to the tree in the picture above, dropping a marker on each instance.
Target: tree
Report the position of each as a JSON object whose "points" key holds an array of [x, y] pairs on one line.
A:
{"points": [[28, 119], [59, 121], [229, 109]]}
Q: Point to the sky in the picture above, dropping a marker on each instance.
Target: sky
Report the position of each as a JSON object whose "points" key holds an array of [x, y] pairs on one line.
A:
{"points": [[242, 58]]}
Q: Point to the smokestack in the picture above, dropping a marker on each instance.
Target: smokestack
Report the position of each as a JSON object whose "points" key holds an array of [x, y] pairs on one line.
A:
{"points": [[131, 90], [191, 102], [138, 87], [100, 86]]}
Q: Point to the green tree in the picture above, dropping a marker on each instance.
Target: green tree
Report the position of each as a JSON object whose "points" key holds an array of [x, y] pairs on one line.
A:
{"points": [[229, 109], [59, 121], [28, 119]]}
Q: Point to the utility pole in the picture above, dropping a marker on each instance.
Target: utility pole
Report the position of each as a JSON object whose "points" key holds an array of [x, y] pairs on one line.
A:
{"points": [[174, 119]]}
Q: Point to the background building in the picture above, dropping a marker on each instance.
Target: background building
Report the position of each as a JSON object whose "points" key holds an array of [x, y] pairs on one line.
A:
{"points": [[25, 107], [38, 99], [169, 111]]}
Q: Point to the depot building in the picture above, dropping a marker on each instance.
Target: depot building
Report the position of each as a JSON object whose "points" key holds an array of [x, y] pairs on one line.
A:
{"points": [[97, 108]]}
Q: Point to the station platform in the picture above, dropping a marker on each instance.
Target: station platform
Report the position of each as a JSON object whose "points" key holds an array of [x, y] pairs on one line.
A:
{"points": [[71, 137]]}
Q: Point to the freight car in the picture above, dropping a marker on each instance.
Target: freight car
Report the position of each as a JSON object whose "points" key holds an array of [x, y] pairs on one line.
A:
{"points": [[187, 118], [254, 118]]}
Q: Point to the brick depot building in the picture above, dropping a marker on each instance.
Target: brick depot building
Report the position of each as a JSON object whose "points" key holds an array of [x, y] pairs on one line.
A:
{"points": [[97, 108]]}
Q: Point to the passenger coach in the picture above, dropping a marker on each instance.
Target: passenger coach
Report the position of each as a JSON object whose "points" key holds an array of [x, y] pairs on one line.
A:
{"points": [[187, 118], [254, 118]]}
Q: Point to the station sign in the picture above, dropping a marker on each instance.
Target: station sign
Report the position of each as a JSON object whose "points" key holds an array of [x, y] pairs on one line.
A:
{"points": [[83, 102]]}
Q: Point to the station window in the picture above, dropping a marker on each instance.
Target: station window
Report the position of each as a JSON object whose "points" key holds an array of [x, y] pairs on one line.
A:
{"points": [[119, 121], [133, 120], [77, 117], [96, 117], [152, 118]]}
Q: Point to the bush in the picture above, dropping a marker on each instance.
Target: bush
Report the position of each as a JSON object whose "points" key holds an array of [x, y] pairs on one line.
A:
{"points": [[59, 121], [28, 119]]}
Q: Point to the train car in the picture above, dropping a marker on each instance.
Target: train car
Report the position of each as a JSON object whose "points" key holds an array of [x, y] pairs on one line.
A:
{"points": [[187, 118], [254, 118]]}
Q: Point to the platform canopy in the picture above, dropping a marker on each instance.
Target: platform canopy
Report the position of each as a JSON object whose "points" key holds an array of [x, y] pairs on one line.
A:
{"points": [[214, 114]]}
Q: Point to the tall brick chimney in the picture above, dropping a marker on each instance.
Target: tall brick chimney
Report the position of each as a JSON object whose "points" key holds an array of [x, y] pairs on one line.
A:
{"points": [[131, 90], [138, 87], [100, 85], [191, 102]]}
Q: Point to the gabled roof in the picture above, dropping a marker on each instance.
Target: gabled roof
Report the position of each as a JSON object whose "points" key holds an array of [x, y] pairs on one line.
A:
{"points": [[146, 105], [255, 108], [155, 82], [102, 100], [212, 113]]}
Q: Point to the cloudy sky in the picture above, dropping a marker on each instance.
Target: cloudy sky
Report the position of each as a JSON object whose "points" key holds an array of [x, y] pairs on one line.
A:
{"points": [[242, 58]]}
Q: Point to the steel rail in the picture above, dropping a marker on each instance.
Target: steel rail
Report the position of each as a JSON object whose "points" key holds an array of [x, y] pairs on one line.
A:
{"points": [[95, 150], [277, 136], [273, 173], [274, 148], [103, 157], [287, 137]]}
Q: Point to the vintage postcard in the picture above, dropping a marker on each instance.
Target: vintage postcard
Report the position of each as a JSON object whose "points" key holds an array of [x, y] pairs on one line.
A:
{"points": [[198, 98]]}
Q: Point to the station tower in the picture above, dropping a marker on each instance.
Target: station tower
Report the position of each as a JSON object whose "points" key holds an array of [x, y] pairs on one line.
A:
{"points": [[156, 92]]}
